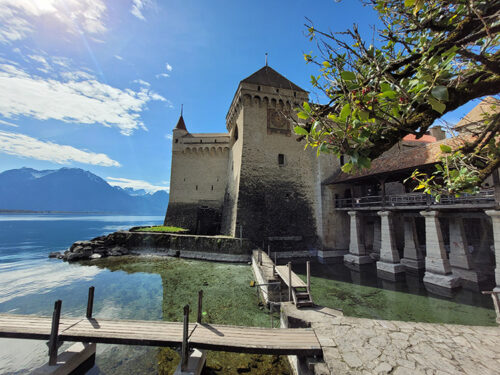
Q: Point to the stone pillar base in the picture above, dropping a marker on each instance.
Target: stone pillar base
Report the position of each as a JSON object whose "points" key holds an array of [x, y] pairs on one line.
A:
{"points": [[390, 271], [412, 264], [357, 259], [331, 256], [468, 275], [443, 281]]}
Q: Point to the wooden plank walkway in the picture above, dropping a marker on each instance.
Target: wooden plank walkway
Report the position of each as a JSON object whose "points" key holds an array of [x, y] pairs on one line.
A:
{"points": [[297, 282], [256, 340]]}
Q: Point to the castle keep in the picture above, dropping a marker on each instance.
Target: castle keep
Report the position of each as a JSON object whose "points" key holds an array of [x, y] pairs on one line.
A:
{"points": [[256, 180]]}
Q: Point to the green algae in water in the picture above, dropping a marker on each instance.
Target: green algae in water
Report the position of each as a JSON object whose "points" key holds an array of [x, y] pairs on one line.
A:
{"points": [[227, 299], [370, 302]]}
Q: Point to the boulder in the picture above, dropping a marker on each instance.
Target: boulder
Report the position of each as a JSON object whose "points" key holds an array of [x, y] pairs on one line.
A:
{"points": [[95, 256], [54, 254]]}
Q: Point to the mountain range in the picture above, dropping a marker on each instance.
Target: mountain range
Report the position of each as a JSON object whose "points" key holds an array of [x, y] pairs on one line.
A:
{"points": [[73, 190]]}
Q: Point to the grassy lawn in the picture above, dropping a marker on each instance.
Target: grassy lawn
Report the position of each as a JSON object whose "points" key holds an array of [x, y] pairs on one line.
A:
{"points": [[161, 228]]}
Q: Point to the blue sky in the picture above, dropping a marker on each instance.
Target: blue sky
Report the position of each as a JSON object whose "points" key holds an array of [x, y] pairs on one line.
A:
{"points": [[98, 84]]}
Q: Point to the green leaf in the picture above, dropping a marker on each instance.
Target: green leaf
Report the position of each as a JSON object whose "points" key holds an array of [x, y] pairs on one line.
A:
{"points": [[445, 148], [440, 93], [348, 76], [300, 130], [346, 111], [389, 94], [436, 105], [364, 115], [384, 86], [347, 167], [326, 64], [303, 115], [306, 107], [409, 3]]}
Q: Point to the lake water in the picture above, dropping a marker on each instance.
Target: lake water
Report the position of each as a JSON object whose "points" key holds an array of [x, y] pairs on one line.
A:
{"points": [[153, 288]]}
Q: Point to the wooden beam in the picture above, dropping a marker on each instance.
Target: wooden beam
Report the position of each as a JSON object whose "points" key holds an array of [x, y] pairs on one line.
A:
{"points": [[185, 332], [53, 340], [200, 305], [90, 302]]}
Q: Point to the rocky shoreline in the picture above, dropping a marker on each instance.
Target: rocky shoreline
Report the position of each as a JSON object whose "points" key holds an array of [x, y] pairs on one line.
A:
{"points": [[99, 247], [217, 248]]}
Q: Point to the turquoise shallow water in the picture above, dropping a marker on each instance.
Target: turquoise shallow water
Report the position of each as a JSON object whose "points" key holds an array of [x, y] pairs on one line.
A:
{"points": [[146, 288], [157, 288]]}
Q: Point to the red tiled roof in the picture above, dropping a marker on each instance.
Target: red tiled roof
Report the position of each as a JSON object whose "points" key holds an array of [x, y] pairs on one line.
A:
{"points": [[402, 160], [425, 138]]}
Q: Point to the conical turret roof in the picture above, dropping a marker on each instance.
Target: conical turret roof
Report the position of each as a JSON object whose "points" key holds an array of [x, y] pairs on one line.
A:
{"points": [[267, 76], [181, 125]]}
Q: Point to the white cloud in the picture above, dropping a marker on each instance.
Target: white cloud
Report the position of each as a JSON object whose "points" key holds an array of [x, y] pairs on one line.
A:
{"points": [[9, 123], [169, 67], [77, 76], [164, 75], [118, 57], [141, 82], [41, 60], [168, 136], [20, 18], [24, 146], [136, 184], [80, 99], [138, 6]]}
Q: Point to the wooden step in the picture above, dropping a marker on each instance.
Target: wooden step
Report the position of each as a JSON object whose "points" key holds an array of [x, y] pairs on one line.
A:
{"points": [[304, 303], [302, 295]]}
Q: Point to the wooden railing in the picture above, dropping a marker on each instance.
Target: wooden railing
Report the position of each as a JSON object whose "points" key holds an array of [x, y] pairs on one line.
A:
{"points": [[483, 198]]}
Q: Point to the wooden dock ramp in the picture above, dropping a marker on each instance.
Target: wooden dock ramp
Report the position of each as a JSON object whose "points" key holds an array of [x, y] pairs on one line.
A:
{"points": [[300, 291], [284, 341]]}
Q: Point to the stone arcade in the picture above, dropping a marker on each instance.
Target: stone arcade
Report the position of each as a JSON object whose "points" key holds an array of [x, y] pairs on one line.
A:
{"points": [[258, 182]]}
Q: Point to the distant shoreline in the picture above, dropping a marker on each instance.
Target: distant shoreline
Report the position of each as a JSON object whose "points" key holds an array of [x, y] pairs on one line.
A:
{"points": [[6, 211]]}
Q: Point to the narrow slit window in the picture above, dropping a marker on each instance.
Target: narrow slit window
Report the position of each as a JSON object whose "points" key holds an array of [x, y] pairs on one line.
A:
{"points": [[281, 159], [196, 187]]}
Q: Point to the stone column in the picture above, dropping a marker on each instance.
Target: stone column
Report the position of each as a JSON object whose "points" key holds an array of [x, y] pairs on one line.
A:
{"points": [[389, 263], [377, 240], [437, 266], [413, 258], [495, 220], [357, 252], [460, 258]]}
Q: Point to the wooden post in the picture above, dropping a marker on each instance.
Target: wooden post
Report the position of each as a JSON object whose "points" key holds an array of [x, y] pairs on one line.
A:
{"points": [[90, 302], [260, 257], [184, 347], [308, 266], [289, 281], [54, 333], [200, 300]]}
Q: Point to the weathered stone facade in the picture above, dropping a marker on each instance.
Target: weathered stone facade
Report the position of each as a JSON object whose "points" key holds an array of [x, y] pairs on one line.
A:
{"points": [[258, 175]]}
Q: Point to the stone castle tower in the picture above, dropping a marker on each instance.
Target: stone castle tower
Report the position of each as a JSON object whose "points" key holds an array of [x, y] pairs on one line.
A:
{"points": [[256, 178]]}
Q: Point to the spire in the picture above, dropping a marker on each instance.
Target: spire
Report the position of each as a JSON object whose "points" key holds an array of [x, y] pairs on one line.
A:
{"points": [[180, 124], [266, 59]]}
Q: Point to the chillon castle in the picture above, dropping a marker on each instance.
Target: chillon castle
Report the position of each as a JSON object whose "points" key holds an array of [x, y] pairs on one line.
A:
{"points": [[256, 181]]}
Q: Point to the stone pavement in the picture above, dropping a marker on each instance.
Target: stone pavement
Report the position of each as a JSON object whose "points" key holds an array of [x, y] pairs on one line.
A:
{"points": [[367, 346]]}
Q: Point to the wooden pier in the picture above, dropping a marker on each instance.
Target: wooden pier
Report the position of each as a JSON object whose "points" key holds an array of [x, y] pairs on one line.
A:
{"points": [[158, 333]]}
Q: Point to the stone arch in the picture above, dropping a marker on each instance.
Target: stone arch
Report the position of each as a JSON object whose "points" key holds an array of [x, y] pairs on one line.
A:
{"points": [[247, 99], [280, 104], [273, 103]]}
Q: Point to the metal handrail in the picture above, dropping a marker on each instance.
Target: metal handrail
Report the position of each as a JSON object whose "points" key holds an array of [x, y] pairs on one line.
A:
{"points": [[413, 199]]}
